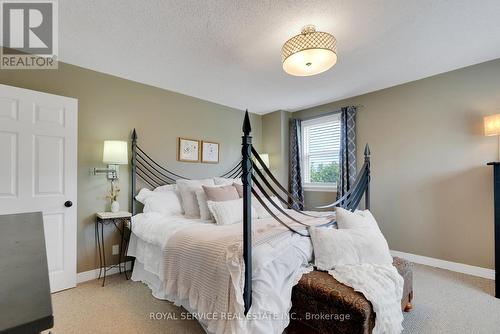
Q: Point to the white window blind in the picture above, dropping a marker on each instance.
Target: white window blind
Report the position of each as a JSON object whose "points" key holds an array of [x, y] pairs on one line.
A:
{"points": [[320, 152]]}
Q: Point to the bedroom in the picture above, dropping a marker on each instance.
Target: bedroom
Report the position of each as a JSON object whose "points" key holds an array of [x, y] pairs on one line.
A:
{"points": [[419, 76]]}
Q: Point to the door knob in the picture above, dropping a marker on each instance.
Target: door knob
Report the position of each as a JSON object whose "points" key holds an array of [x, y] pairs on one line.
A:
{"points": [[68, 204]]}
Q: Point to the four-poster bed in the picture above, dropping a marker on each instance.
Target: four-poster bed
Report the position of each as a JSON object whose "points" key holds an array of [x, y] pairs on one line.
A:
{"points": [[155, 175], [288, 226]]}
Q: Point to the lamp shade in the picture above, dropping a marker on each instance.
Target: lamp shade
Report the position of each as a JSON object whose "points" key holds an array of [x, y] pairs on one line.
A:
{"points": [[309, 53], [492, 125], [265, 160], [115, 152]]}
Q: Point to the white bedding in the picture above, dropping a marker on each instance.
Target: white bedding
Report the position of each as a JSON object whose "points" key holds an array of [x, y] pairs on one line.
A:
{"points": [[382, 286], [156, 228], [357, 255], [278, 265], [150, 233]]}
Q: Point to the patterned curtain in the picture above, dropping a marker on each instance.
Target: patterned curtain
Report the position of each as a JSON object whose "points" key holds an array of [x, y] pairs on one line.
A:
{"points": [[347, 161], [295, 164]]}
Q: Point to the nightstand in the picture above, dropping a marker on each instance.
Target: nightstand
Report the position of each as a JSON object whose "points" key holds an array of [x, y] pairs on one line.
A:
{"points": [[117, 219]]}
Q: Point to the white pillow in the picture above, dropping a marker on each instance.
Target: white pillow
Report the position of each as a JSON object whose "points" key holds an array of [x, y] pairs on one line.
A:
{"points": [[357, 219], [202, 204], [333, 247], [165, 202], [170, 187], [187, 190], [227, 212], [166, 187], [222, 181], [261, 210]]}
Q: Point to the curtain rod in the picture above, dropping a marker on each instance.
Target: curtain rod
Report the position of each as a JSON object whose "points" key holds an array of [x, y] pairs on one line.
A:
{"points": [[328, 113]]}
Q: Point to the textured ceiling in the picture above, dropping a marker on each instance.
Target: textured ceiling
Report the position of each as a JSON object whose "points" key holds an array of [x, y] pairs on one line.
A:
{"points": [[228, 51]]}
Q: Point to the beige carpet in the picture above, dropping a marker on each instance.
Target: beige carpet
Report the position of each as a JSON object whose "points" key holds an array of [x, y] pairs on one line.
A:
{"points": [[445, 302], [448, 302]]}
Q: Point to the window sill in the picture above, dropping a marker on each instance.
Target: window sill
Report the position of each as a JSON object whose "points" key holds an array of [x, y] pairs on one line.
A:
{"points": [[320, 188]]}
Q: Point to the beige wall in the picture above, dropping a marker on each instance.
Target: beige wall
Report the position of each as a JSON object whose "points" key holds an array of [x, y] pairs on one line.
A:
{"points": [[109, 108], [431, 188], [313, 199], [275, 142]]}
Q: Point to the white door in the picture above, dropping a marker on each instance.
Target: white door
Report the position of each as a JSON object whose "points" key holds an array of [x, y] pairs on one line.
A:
{"points": [[38, 156]]}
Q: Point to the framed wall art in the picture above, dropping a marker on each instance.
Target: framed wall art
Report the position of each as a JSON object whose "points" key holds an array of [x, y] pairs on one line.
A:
{"points": [[189, 150], [209, 152]]}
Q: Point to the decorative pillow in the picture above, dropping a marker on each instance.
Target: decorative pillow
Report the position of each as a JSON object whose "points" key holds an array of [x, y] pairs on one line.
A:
{"points": [[333, 247], [187, 190], [221, 193], [225, 181], [261, 210], [239, 188], [165, 202], [357, 219], [215, 194], [227, 212], [202, 204]]}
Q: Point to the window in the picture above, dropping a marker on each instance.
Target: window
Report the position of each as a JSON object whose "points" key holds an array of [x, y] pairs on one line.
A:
{"points": [[320, 153]]}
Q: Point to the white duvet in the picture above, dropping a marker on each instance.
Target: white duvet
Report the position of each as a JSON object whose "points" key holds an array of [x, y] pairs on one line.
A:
{"points": [[157, 228], [277, 267]]}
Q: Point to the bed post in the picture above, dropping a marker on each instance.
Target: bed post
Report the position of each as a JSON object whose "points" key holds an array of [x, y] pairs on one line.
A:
{"points": [[367, 191], [246, 178], [134, 171]]}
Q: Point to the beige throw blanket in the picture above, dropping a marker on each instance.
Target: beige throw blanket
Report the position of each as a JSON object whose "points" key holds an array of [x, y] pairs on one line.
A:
{"points": [[204, 268]]}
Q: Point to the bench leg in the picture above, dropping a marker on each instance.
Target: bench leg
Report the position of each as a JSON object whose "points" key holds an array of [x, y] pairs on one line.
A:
{"points": [[408, 305]]}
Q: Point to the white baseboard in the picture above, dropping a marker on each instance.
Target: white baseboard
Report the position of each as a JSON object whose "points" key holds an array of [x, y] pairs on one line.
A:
{"points": [[94, 274], [428, 261], [448, 265]]}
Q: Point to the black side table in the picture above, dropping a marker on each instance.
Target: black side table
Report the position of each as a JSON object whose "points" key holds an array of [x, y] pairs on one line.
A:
{"points": [[496, 205], [115, 218]]}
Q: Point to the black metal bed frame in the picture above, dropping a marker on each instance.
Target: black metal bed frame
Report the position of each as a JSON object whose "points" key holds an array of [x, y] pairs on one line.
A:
{"points": [[155, 175]]}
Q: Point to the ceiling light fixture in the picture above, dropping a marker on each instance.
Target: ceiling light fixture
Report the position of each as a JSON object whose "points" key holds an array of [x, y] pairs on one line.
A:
{"points": [[309, 53]]}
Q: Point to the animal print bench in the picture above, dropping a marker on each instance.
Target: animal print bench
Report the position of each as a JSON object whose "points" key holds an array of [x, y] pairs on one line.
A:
{"points": [[323, 304]]}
